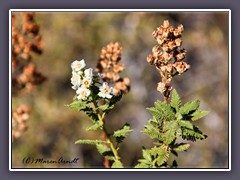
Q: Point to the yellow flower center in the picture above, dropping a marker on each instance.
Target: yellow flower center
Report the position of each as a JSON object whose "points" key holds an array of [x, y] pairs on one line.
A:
{"points": [[86, 83]]}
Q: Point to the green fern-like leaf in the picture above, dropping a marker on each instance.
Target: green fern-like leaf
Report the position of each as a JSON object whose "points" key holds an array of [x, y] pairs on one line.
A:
{"points": [[189, 107], [161, 111], [193, 134], [105, 151], [97, 125], [123, 132], [88, 141], [142, 165], [185, 124], [152, 132], [146, 155], [175, 101], [155, 113], [170, 127], [181, 147], [77, 105], [161, 155], [165, 110], [117, 164], [91, 114], [106, 107], [154, 122], [147, 161], [198, 114]]}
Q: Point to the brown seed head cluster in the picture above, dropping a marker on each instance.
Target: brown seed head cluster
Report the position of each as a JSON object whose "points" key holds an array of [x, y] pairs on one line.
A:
{"points": [[25, 41], [167, 56], [20, 117], [109, 68]]}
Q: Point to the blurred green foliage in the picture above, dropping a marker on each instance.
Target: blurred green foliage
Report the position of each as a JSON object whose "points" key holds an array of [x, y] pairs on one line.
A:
{"points": [[67, 36]]}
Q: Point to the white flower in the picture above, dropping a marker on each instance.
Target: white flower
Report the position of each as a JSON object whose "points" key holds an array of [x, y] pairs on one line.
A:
{"points": [[105, 91], [78, 72], [78, 65], [83, 93], [88, 72], [75, 87], [76, 79], [86, 82]]}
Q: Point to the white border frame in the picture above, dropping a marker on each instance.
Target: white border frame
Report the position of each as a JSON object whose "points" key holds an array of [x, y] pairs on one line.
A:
{"points": [[118, 10]]}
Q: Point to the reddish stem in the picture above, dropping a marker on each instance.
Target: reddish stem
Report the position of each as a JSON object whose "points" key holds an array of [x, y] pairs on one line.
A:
{"points": [[106, 161]]}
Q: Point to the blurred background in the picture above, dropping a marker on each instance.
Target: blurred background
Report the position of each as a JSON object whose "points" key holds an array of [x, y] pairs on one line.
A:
{"points": [[67, 36]]}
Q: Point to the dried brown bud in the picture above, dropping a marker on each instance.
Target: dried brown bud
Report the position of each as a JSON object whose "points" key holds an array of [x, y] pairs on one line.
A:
{"points": [[150, 59], [176, 33], [155, 50], [180, 28], [165, 33], [155, 34], [166, 23], [160, 40], [181, 55], [167, 56], [181, 67], [171, 45], [165, 47], [126, 81], [161, 87], [178, 42]]}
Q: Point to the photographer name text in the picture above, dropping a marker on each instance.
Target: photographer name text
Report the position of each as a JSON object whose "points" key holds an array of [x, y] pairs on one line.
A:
{"points": [[61, 160]]}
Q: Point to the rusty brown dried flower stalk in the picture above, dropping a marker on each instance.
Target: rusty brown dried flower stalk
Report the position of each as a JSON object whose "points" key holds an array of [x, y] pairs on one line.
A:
{"points": [[26, 40], [168, 56], [109, 68]]}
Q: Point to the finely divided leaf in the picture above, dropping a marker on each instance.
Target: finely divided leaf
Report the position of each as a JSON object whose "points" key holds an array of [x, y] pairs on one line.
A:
{"points": [[77, 105], [142, 165], [123, 132], [193, 134], [91, 114], [97, 125], [165, 110], [186, 124], [170, 128], [181, 147], [87, 141], [152, 132], [198, 114], [105, 151], [190, 106], [161, 154], [155, 113], [117, 164], [147, 161], [106, 107], [147, 155], [175, 101]]}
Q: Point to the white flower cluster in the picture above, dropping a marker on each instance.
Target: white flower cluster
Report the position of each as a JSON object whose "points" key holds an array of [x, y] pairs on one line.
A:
{"points": [[82, 79]]}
